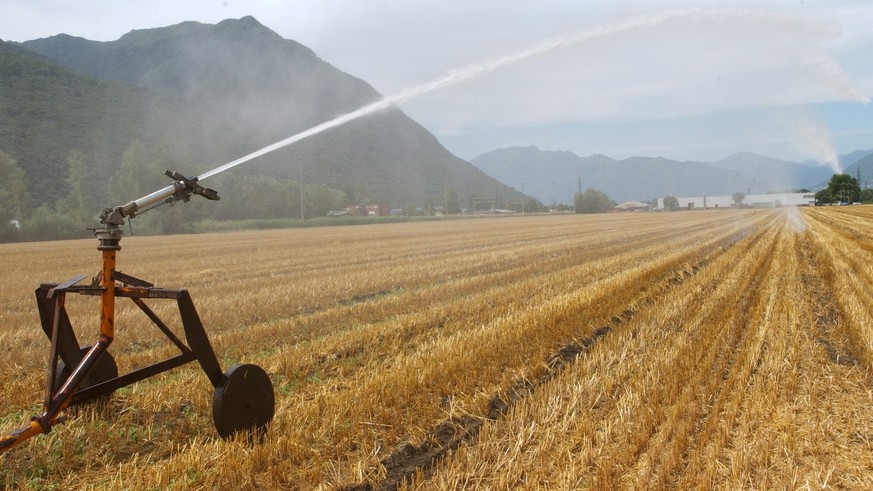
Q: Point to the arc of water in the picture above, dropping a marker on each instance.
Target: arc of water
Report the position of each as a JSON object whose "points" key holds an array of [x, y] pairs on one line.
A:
{"points": [[771, 18]]}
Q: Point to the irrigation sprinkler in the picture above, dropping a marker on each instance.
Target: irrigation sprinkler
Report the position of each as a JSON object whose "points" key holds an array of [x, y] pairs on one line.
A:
{"points": [[243, 400]]}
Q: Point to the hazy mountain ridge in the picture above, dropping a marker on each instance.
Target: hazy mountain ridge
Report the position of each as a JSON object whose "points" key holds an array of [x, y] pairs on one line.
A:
{"points": [[207, 64], [864, 162], [853, 157], [554, 175], [203, 95]]}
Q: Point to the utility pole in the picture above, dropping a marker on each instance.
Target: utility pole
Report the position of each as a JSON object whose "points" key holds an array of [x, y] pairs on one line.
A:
{"points": [[578, 193], [522, 197], [301, 191], [446, 209]]}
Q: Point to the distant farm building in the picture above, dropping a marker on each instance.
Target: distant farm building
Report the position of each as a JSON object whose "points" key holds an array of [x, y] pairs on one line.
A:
{"points": [[378, 209], [371, 210], [752, 201]]}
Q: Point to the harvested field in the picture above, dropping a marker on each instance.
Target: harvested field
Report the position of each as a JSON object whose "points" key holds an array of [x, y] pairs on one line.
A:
{"points": [[714, 349]]}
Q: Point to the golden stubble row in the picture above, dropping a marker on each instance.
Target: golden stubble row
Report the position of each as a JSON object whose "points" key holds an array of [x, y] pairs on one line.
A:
{"points": [[617, 407], [721, 384], [843, 238]]}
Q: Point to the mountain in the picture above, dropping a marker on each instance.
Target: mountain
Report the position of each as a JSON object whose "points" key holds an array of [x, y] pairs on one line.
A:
{"points": [[852, 157], [769, 174], [555, 175], [850, 164], [866, 167], [200, 95], [237, 70], [47, 109]]}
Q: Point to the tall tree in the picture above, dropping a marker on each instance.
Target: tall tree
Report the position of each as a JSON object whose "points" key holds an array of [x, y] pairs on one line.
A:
{"points": [[136, 176], [738, 198], [14, 199], [592, 201], [823, 197], [80, 203], [671, 203], [453, 207], [844, 187]]}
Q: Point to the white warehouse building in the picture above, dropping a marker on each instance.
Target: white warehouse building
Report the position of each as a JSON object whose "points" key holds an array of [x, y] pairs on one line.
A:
{"points": [[752, 200]]}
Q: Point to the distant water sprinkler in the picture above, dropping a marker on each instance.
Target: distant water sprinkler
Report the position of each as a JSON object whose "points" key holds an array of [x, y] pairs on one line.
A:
{"points": [[243, 400], [814, 137]]}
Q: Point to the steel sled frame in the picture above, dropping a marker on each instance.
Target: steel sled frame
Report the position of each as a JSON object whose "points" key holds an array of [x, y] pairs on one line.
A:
{"points": [[50, 299], [243, 399]]}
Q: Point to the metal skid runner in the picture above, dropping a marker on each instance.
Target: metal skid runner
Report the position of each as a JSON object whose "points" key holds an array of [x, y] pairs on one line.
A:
{"points": [[243, 399]]}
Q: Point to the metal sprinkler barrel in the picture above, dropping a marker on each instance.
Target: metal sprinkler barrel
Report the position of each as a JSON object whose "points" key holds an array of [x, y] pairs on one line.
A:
{"points": [[243, 401]]}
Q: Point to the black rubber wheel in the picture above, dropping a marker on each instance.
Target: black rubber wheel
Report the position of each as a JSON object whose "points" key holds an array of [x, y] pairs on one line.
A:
{"points": [[104, 370], [243, 401]]}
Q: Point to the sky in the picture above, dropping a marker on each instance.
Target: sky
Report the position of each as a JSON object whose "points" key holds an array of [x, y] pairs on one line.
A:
{"points": [[789, 79]]}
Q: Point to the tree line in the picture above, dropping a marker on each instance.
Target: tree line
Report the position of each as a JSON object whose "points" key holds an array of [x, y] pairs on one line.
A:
{"points": [[243, 197], [592, 201], [843, 188]]}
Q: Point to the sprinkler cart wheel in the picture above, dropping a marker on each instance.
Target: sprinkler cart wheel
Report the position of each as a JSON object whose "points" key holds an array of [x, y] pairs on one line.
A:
{"points": [[243, 401], [104, 370]]}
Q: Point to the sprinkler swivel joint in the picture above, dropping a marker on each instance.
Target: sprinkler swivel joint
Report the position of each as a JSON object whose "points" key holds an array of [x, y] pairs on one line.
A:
{"points": [[181, 189]]}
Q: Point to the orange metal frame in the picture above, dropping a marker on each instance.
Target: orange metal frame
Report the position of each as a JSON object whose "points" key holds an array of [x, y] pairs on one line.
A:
{"points": [[56, 324]]}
